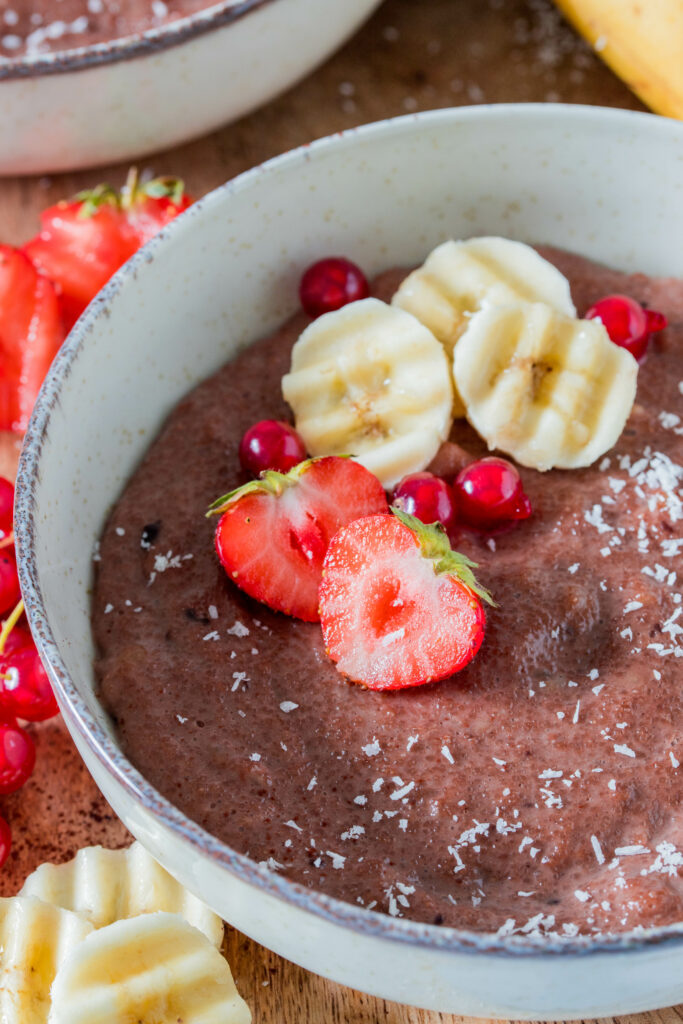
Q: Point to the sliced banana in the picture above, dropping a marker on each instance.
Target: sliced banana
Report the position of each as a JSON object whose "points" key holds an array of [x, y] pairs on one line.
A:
{"points": [[35, 939], [549, 390], [107, 885], [369, 380], [154, 969], [457, 277]]}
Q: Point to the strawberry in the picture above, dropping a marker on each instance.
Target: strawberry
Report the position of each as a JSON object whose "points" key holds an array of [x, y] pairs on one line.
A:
{"points": [[274, 532], [31, 332], [82, 242], [150, 207], [399, 607]]}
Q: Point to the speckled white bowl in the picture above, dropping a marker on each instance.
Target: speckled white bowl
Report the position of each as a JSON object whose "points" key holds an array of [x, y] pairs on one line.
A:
{"points": [[606, 183], [127, 97]]}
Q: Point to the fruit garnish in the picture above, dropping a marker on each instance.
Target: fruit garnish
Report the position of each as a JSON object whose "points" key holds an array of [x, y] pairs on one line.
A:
{"points": [[112, 885], [150, 969], [30, 335], [628, 323], [17, 755], [6, 507], [372, 381], [547, 389], [330, 284], [9, 580], [25, 690], [82, 242], [427, 497], [399, 607], [271, 444], [274, 532], [490, 495], [458, 277]]}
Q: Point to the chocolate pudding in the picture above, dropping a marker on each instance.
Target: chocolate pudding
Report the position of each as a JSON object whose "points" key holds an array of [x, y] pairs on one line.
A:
{"points": [[28, 28], [538, 790]]}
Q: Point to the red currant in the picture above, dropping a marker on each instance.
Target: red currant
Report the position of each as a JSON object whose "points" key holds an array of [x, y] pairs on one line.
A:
{"points": [[427, 497], [5, 841], [9, 580], [6, 506], [489, 494], [271, 444], [25, 690], [627, 323], [330, 284], [17, 756]]}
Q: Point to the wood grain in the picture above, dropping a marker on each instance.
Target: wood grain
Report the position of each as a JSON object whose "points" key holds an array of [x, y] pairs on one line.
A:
{"points": [[410, 56]]}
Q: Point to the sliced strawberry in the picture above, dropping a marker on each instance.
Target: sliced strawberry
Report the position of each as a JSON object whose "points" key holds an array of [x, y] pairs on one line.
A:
{"points": [[31, 332], [83, 242], [399, 607], [274, 532]]}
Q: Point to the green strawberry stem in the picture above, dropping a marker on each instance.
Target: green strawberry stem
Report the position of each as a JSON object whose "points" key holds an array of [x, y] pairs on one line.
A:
{"points": [[434, 544], [269, 482]]}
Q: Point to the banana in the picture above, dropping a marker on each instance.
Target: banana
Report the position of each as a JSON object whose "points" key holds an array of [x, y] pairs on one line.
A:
{"points": [[457, 277], [107, 885], [153, 969], [371, 381], [35, 939], [545, 388], [641, 42]]}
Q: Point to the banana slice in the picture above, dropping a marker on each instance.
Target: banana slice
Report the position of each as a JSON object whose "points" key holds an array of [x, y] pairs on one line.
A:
{"points": [[35, 939], [549, 390], [107, 885], [457, 277], [371, 381], [154, 969]]}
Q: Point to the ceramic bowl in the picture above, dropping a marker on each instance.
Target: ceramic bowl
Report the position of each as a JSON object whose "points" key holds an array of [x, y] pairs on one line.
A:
{"points": [[128, 97], [605, 183]]}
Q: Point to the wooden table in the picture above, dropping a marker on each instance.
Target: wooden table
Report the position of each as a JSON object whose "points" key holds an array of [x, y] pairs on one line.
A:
{"points": [[413, 55]]}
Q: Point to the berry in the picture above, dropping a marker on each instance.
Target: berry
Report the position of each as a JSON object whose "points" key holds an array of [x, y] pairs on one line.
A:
{"points": [[398, 607], [330, 284], [6, 507], [427, 497], [9, 580], [273, 533], [17, 756], [25, 690], [628, 324], [489, 495], [30, 334], [271, 444], [5, 841], [82, 242]]}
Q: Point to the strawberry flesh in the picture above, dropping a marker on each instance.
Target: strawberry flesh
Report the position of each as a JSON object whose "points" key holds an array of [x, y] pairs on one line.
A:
{"points": [[274, 533], [393, 613], [31, 333]]}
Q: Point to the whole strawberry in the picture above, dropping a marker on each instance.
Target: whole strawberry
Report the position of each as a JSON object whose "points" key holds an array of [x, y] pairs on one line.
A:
{"points": [[399, 607], [274, 532]]}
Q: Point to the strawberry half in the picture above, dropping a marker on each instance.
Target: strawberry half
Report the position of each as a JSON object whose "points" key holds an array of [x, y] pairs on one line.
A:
{"points": [[31, 332], [274, 532], [83, 242], [399, 607]]}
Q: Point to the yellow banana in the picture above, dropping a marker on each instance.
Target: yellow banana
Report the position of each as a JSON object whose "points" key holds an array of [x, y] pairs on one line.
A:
{"points": [[641, 40]]}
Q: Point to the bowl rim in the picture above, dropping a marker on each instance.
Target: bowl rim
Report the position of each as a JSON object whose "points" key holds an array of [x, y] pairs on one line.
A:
{"points": [[137, 44], [105, 749]]}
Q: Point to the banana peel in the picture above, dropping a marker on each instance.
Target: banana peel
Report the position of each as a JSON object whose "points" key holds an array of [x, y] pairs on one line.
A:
{"points": [[641, 40]]}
